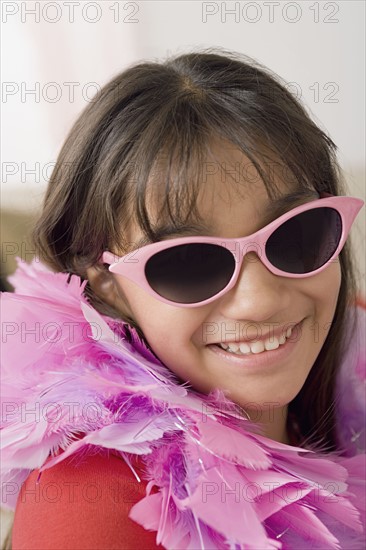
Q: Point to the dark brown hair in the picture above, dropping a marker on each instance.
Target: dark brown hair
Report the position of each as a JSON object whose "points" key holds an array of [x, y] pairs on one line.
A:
{"points": [[161, 118]]}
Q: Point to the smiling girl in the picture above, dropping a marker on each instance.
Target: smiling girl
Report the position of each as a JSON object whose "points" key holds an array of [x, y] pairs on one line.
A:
{"points": [[196, 224]]}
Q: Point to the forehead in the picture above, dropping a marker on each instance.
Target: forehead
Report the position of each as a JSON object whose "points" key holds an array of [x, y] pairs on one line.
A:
{"points": [[232, 200], [233, 190], [227, 181]]}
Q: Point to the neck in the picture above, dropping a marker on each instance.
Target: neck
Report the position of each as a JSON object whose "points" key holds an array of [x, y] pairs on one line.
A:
{"points": [[273, 420]]}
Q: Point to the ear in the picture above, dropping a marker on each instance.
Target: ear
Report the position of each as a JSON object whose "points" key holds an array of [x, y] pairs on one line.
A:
{"points": [[106, 288]]}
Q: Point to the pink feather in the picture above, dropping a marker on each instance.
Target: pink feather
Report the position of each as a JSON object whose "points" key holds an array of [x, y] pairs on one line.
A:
{"points": [[220, 483]]}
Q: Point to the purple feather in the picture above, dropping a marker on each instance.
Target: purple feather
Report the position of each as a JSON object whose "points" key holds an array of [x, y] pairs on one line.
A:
{"points": [[221, 483]]}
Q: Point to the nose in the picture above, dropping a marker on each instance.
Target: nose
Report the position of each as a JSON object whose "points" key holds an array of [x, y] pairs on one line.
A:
{"points": [[257, 294]]}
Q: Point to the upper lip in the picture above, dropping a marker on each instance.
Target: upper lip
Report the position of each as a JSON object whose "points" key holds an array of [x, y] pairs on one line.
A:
{"points": [[258, 337]]}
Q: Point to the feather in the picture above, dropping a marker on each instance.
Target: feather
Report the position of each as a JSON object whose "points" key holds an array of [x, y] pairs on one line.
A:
{"points": [[92, 384], [221, 489], [304, 521], [227, 443], [338, 507]]}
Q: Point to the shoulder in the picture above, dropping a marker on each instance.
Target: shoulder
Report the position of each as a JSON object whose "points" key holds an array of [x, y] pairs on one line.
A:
{"points": [[81, 503]]}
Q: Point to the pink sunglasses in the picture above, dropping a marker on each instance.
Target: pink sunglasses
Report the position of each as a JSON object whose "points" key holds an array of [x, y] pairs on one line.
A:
{"points": [[193, 271]]}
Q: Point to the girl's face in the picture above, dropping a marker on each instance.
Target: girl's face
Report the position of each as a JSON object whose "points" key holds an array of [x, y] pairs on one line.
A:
{"points": [[259, 304]]}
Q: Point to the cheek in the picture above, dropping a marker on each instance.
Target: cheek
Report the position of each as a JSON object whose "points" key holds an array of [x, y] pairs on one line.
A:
{"points": [[321, 292], [323, 289], [166, 328], [328, 299], [328, 286]]}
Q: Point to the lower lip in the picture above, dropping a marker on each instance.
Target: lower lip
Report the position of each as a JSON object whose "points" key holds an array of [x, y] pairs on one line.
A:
{"points": [[265, 358]]}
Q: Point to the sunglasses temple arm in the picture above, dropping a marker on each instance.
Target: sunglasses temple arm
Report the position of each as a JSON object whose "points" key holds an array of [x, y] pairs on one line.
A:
{"points": [[108, 258]]}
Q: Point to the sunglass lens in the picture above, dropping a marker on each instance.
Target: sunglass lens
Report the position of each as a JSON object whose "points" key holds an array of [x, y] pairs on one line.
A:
{"points": [[305, 242], [190, 273]]}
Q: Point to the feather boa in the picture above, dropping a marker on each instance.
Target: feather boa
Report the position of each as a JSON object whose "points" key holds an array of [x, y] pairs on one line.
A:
{"points": [[73, 379]]}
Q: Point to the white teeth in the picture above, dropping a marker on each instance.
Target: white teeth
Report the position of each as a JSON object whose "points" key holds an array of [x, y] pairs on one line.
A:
{"points": [[269, 345], [257, 347], [233, 347], [244, 348]]}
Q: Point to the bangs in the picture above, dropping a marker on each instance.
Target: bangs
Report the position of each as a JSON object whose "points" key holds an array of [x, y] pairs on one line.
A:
{"points": [[143, 150], [163, 188]]}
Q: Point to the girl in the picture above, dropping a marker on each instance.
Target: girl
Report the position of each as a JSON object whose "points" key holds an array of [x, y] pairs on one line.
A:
{"points": [[187, 355]]}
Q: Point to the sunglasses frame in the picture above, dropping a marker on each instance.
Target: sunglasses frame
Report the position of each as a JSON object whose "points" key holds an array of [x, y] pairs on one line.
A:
{"points": [[132, 265]]}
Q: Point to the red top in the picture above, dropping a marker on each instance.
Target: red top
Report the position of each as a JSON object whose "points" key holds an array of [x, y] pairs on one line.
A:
{"points": [[81, 503]]}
